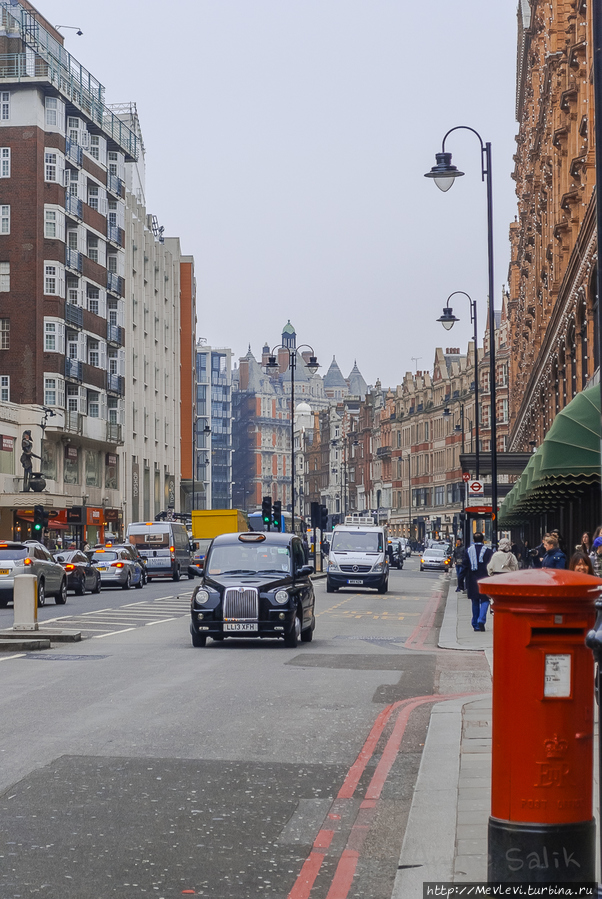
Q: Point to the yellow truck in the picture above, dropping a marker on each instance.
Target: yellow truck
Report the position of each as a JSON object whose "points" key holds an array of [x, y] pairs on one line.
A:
{"points": [[212, 522]]}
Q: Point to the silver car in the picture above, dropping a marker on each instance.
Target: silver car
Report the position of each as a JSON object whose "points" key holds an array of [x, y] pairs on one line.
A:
{"points": [[31, 558], [117, 568], [435, 558]]}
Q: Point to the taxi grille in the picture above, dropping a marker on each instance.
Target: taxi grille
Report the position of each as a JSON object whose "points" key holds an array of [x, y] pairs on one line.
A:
{"points": [[241, 603]]}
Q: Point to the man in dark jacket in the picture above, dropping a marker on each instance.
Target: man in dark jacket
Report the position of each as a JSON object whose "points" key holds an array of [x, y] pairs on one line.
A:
{"points": [[474, 568], [554, 557], [458, 556]]}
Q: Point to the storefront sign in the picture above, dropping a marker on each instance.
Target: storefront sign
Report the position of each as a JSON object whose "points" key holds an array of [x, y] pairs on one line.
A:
{"points": [[8, 444], [74, 515], [94, 516], [71, 453]]}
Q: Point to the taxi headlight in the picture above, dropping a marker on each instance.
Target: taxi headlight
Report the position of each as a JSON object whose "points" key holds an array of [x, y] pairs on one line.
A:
{"points": [[201, 597], [281, 597]]}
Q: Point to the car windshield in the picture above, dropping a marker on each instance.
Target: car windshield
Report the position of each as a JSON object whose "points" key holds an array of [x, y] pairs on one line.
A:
{"points": [[249, 559], [434, 554], [104, 555], [16, 553], [357, 542]]}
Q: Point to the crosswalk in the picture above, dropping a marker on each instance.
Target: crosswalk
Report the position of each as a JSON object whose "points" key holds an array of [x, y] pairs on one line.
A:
{"points": [[107, 622]]}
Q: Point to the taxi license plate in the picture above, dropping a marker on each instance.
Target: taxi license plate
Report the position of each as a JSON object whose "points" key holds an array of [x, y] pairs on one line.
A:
{"points": [[355, 582], [239, 626], [99, 568], [4, 571]]}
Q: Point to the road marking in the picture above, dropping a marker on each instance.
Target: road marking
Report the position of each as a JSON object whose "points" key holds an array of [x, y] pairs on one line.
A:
{"points": [[112, 633], [19, 655], [160, 621]]}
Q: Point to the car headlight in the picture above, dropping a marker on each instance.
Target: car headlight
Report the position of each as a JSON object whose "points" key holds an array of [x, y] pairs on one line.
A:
{"points": [[201, 596], [332, 565], [379, 566], [281, 597]]}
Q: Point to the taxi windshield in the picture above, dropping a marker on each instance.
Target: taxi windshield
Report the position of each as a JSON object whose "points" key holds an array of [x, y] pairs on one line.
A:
{"points": [[239, 558]]}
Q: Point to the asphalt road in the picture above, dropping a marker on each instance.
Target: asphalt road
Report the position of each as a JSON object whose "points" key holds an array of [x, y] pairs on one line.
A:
{"points": [[135, 765]]}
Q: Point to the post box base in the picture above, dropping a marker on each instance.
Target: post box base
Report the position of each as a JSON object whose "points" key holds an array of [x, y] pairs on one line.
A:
{"points": [[539, 853]]}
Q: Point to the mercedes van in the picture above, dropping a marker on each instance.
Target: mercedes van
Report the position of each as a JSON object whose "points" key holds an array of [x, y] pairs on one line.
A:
{"points": [[358, 555]]}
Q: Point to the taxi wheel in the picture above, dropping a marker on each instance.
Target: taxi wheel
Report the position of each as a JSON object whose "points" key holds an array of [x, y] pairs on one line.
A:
{"points": [[308, 634], [198, 640], [291, 640]]}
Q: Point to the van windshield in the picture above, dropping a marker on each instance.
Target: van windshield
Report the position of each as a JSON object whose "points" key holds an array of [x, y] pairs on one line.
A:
{"points": [[357, 542], [153, 539]]}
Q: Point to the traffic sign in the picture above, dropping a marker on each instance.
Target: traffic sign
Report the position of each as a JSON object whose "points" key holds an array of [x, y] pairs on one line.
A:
{"points": [[479, 510], [466, 476], [476, 488]]}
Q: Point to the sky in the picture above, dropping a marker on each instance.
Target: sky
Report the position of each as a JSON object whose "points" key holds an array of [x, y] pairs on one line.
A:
{"points": [[286, 143]]}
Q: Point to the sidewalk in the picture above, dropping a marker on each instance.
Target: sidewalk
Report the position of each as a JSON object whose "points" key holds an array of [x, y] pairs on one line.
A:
{"points": [[446, 835]]}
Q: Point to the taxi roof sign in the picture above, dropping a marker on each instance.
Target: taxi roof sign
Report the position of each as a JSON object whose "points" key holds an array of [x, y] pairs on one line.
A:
{"points": [[251, 537]]}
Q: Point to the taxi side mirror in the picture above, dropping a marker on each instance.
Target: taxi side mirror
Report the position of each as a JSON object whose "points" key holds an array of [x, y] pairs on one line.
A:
{"points": [[305, 570]]}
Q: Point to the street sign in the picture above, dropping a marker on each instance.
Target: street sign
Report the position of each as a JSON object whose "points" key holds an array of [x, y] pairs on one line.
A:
{"points": [[479, 510], [476, 488], [466, 476]]}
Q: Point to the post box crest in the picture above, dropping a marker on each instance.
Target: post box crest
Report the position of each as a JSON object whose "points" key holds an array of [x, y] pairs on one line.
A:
{"points": [[556, 749]]}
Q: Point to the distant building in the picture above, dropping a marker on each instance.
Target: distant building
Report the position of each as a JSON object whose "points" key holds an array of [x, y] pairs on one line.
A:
{"points": [[213, 436]]}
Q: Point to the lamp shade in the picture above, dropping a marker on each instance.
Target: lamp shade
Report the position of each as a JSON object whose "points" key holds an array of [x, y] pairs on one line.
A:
{"points": [[448, 319], [444, 173], [313, 364]]}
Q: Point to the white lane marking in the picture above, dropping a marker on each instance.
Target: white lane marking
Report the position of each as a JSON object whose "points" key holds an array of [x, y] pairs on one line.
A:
{"points": [[160, 621], [20, 655], [96, 611], [112, 633], [59, 618]]}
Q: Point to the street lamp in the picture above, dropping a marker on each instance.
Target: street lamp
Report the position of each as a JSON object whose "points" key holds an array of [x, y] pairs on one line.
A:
{"points": [[448, 320], [271, 367], [444, 175]]}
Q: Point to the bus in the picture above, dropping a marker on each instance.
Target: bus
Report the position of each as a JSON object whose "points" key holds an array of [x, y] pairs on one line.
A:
{"points": [[256, 523]]}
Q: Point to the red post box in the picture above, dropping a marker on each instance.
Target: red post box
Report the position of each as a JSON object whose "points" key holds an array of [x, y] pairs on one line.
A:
{"points": [[541, 826]]}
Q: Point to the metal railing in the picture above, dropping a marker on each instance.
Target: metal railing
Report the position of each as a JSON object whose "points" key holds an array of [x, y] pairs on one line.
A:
{"points": [[74, 369], [114, 432], [74, 422], [73, 152], [114, 334], [74, 315], [114, 184], [115, 283], [73, 259], [114, 234], [74, 206], [116, 383]]}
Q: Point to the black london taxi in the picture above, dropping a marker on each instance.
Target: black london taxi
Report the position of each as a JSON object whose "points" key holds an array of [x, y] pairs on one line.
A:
{"points": [[254, 584]]}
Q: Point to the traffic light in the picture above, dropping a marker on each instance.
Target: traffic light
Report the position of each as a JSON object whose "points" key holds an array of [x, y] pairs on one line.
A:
{"points": [[277, 515], [334, 521], [39, 520], [266, 510], [323, 518], [315, 515]]}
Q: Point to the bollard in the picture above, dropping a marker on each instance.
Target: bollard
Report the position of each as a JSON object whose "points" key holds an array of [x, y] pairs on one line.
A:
{"points": [[541, 827], [25, 601]]}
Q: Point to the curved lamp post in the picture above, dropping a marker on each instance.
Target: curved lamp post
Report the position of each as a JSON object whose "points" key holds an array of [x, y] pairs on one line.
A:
{"points": [[271, 367], [448, 320], [444, 174]]}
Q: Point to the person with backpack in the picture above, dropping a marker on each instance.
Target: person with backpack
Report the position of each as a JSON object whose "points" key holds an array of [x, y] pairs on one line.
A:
{"points": [[474, 568], [503, 560]]}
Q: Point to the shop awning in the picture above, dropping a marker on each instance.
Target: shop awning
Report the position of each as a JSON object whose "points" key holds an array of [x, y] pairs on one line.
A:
{"points": [[53, 524]]}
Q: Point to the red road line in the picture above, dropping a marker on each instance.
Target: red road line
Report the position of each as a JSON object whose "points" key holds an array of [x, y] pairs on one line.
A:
{"points": [[307, 876], [343, 878], [357, 769], [324, 839], [425, 623]]}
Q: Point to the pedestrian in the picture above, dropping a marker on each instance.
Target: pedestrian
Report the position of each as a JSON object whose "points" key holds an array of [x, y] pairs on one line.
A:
{"points": [[586, 543], [561, 544], [504, 560], [474, 567], [458, 556], [596, 556], [581, 562], [554, 557]]}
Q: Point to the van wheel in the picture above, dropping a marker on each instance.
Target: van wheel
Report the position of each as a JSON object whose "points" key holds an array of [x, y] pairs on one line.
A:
{"points": [[329, 587], [176, 574]]}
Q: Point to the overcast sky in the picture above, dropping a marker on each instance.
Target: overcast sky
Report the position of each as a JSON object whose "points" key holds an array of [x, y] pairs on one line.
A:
{"points": [[286, 143]]}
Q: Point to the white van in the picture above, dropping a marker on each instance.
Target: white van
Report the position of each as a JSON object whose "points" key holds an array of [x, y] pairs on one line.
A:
{"points": [[164, 546], [358, 555]]}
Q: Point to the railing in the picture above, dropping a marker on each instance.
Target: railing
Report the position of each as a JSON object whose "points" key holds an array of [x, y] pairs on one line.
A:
{"points": [[114, 432], [74, 206], [114, 234], [74, 315], [114, 184], [383, 451], [74, 422], [73, 259], [74, 152], [114, 334], [115, 383], [115, 283], [74, 369]]}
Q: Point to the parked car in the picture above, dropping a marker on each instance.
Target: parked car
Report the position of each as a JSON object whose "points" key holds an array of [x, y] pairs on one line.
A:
{"points": [[435, 558], [132, 551], [81, 574], [31, 558], [117, 567], [198, 557], [255, 584]]}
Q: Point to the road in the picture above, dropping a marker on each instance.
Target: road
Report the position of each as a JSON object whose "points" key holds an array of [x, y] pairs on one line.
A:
{"points": [[135, 765]]}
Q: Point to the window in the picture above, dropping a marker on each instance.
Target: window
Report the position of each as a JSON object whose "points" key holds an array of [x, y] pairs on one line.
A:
{"points": [[50, 341], [52, 113], [4, 106], [50, 223], [4, 219], [54, 392], [93, 353], [72, 398], [5, 388], [113, 162], [4, 334], [72, 290], [95, 146], [112, 264], [4, 162], [50, 164], [113, 405], [93, 249], [93, 404], [4, 277], [93, 197], [50, 280]]}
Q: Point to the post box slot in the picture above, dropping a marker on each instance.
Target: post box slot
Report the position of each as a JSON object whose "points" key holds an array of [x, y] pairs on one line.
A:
{"points": [[557, 632]]}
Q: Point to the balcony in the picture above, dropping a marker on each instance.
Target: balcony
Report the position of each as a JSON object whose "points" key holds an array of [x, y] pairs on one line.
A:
{"points": [[115, 383], [114, 432], [114, 234], [115, 283], [73, 152], [383, 451], [73, 259], [114, 184], [74, 369], [74, 422], [74, 315], [114, 334], [74, 206]]}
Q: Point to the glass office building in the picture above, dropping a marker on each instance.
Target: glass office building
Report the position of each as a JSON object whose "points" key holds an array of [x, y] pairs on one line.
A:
{"points": [[213, 436]]}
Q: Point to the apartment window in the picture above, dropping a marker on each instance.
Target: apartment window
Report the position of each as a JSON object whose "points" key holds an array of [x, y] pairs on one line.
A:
{"points": [[93, 353], [5, 388], [113, 362], [112, 264], [72, 290], [113, 312], [54, 392], [72, 398], [95, 146], [50, 218], [50, 167], [93, 298], [50, 337], [93, 249], [93, 198], [72, 240], [113, 410], [4, 219], [4, 106], [4, 162], [4, 334], [4, 277], [52, 111], [93, 404], [112, 162], [50, 280], [73, 347]]}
